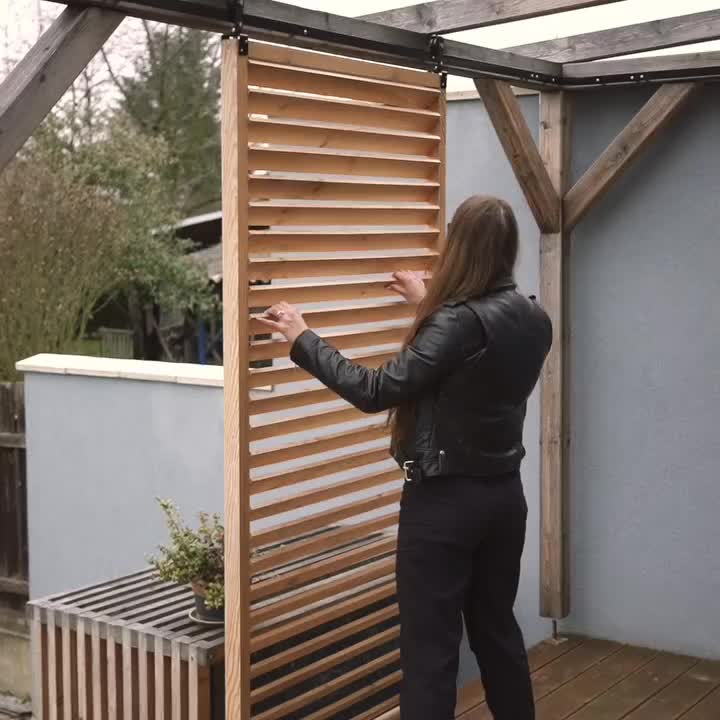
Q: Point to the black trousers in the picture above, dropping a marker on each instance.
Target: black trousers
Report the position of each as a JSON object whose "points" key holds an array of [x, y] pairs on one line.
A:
{"points": [[459, 548]]}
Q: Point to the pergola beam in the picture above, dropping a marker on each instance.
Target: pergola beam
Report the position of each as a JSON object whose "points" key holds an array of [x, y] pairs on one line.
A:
{"points": [[444, 16], [292, 25], [514, 134], [41, 78], [685, 66], [662, 108], [626, 40]]}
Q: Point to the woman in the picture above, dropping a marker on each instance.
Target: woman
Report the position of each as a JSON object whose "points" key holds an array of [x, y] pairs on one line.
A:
{"points": [[457, 392]]}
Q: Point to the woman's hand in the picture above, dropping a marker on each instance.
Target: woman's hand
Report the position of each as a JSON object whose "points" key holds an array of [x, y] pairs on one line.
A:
{"points": [[409, 285], [286, 320]]}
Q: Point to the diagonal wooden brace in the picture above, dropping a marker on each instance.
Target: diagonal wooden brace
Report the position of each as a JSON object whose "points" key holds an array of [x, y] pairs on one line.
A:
{"points": [[514, 135], [39, 80], [657, 113]]}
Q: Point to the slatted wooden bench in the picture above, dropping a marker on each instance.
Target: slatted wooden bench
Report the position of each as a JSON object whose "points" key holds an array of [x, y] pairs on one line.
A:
{"points": [[123, 649]]}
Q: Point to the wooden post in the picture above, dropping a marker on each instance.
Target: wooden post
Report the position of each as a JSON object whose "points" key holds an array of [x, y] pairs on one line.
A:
{"points": [[554, 246], [236, 364]]}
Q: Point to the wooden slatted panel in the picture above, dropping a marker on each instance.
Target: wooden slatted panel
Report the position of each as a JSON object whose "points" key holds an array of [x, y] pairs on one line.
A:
{"points": [[346, 184]]}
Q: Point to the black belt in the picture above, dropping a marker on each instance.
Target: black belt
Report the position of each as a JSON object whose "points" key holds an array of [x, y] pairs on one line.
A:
{"points": [[412, 472]]}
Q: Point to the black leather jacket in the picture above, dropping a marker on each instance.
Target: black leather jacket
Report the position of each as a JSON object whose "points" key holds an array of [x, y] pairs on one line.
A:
{"points": [[468, 372]]}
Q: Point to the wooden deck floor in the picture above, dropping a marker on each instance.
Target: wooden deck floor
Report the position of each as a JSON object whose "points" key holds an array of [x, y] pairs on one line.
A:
{"points": [[585, 679]]}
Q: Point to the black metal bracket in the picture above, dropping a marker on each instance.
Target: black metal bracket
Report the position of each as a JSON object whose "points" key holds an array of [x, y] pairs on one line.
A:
{"points": [[436, 48], [236, 15]]}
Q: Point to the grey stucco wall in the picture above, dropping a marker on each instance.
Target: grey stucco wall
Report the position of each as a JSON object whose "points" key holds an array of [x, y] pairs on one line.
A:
{"points": [[99, 451], [645, 399]]}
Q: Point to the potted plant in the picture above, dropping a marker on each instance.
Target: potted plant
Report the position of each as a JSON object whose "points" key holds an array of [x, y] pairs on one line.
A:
{"points": [[195, 558]]}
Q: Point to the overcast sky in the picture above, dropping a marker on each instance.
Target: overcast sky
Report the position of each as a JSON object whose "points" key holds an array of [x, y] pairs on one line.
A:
{"points": [[19, 22]]}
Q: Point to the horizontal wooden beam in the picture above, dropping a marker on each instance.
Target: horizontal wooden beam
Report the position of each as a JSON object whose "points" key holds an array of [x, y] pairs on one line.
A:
{"points": [[41, 78], [656, 114], [444, 16], [288, 24], [684, 66], [517, 141], [12, 440], [653, 35], [14, 586]]}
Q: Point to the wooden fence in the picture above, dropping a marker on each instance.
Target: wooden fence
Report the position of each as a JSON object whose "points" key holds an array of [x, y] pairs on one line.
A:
{"points": [[13, 491], [343, 161]]}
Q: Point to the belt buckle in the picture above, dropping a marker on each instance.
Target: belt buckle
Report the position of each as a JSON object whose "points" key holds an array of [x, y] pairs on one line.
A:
{"points": [[407, 470]]}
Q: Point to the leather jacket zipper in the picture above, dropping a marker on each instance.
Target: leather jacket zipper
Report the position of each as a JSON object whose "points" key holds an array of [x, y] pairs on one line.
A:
{"points": [[441, 461]]}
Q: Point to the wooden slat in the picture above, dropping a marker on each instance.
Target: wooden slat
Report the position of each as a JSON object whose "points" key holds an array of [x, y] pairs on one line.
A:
{"points": [[326, 639], [97, 661], [322, 543], [356, 697], [40, 79], [67, 667], [84, 683], [320, 82], [627, 40], [354, 315], [278, 103], [159, 664], [268, 349], [315, 521], [112, 678], [320, 444], [281, 131], [38, 677], [322, 568], [338, 187], [332, 491], [53, 667], [442, 171], [374, 570], [283, 268], [176, 686], [349, 66], [318, 469], [554, 147], [325, 689], [262, 405], [662, 108], [144, 670], [443, 16], [283, 376], [298, 293], [379, 712], [636, 689], [326, 663], [286, 158], [570, 697], [299, 212], [234, 88], [504, 111], [312, 421], [318, 617], [128, 689]]}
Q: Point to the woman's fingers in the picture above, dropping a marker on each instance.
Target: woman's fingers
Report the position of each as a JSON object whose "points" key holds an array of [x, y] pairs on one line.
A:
{"points": [[274, 325]]}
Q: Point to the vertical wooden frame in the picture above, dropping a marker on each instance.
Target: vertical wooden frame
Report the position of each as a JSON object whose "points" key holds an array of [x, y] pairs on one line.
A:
{"points": [[236, 350], [554, 263]]}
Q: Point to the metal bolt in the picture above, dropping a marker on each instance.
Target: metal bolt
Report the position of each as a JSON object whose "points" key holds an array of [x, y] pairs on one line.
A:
{"points": [[305, 31]]}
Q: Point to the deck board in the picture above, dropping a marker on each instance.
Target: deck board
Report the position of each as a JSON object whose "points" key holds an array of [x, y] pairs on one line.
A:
{"points": [[584, 679]]}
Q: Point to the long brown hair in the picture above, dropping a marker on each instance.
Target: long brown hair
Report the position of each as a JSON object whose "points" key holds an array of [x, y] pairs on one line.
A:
{"points": [[480, 250]]}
